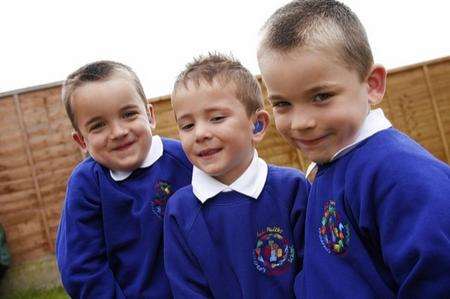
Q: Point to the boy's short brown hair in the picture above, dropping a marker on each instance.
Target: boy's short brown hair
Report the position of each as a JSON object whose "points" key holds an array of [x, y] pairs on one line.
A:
{"points": [[322, 25], [223, 69], [96, 71]]}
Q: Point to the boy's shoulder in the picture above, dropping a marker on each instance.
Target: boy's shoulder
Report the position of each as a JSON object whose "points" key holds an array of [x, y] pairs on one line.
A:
{"points": [[173, 150], [282, 174], [84, 180], [86, 168], [286, 180], [184, 206], [391, 143], [392, 152], [183, 199]]}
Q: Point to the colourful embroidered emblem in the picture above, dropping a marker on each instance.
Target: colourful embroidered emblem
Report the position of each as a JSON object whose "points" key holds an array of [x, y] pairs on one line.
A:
{"points": [[273, 254], [162, 190], [334, 234]]}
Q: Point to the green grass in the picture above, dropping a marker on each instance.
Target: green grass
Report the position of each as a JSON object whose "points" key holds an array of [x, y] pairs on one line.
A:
{"points": [[57, 293]]}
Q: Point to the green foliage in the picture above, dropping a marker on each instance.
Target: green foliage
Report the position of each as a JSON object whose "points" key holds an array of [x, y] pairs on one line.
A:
{"points": [[57, 293]]}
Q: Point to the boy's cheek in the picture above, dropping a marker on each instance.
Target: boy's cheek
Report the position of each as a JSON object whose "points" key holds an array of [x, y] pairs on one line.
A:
{"points": [[282, 124], [185, 144]]}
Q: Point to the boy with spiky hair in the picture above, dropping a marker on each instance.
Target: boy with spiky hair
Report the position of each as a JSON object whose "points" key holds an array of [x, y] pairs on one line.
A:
{"points": [[230, 234], [377, 223], [110, 238]]}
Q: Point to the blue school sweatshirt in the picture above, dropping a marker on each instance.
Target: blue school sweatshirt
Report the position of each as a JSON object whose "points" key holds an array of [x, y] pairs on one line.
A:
{"points": [[378, 224], [110, 238], [235, 246]]}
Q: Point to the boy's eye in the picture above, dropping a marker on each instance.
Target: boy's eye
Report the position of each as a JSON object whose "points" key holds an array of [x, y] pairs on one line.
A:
{"points": [[128, 114], [217, 119], [186, 127], [280, 104], [322, 97], [96, 126]]}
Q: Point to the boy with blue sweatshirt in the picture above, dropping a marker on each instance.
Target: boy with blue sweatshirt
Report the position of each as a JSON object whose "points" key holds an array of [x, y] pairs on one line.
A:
{"points": [[377, 223], [230, 234], [110, 238]]}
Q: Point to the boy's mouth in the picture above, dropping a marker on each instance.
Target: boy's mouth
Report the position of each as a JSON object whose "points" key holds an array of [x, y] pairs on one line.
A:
{"points": [[208, 152], [311, 142], [123, 146]]}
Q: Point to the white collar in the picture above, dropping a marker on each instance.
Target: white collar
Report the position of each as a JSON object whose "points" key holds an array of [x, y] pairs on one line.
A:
{"points": [[374, 123], [155, 152], [250, 183]]}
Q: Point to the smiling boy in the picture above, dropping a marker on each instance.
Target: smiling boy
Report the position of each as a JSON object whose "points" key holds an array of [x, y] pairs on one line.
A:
{"points": [[109, 242], [377, 222], [230, 234]]}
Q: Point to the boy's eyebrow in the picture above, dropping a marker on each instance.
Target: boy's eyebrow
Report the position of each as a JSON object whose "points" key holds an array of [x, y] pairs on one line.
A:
{"points": [[312, 90], [128, 106], [213, 109], [275, 97], [208, 110], [177, 119], [320, 88]]}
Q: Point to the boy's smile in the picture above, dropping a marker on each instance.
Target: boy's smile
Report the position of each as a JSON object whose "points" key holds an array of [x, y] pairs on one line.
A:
{"points": [[215, 130], [318, 104], [311, 142], [209, 152], [113, 123]]}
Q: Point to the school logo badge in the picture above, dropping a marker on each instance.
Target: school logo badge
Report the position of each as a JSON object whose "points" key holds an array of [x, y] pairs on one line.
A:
{"points": [[162, 192], [273, 253], [334, 234]]}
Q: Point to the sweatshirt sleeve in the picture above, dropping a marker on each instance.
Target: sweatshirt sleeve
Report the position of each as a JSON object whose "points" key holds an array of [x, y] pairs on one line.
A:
{"points": [[410, 216], [185, 276], [80, 245]]}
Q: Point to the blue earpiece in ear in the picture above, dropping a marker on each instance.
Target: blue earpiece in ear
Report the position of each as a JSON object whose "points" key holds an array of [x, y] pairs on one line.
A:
{"points": [[258, 127]]}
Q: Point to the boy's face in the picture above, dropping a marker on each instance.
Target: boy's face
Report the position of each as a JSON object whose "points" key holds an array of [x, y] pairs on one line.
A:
{"points": [[318, 104], [214, 129], [113, 123]]}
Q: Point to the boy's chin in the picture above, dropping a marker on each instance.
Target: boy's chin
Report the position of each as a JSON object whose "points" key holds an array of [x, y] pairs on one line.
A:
{"points": [[124, 167]]}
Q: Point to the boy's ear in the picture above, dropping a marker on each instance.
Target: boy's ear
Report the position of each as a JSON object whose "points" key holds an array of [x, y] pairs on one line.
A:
{"points": [[79, 140], [261, 122], [376, 82], [151, 115]]}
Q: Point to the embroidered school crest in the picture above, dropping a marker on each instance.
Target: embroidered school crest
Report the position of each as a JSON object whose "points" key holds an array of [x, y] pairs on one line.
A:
{"points": [[273, 253], [162, 192], [334, 234]]}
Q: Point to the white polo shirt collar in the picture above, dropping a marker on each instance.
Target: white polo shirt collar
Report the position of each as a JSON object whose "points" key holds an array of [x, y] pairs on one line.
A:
{"points": [[250, 183], [155, 152]]}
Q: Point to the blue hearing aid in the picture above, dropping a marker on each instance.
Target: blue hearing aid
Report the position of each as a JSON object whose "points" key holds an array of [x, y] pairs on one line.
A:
{"points": [[258, 127]]}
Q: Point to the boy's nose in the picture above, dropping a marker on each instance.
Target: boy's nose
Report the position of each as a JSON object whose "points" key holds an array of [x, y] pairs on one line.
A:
{"points": [[302, 120], [202, 132], [118, 130]]}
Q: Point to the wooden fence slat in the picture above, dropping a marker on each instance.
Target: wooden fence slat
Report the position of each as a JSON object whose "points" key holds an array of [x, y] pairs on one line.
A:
{"points": [[436, 112], [31, 162]]}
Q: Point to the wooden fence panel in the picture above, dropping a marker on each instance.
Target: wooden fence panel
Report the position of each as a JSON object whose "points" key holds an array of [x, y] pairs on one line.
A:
{"points": [[36, 158]]}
